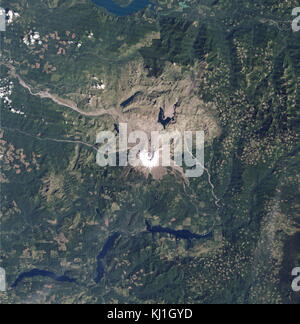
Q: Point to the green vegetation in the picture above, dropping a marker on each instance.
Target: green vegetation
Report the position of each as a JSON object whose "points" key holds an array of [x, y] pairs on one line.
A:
{"points": [[59, 207]]}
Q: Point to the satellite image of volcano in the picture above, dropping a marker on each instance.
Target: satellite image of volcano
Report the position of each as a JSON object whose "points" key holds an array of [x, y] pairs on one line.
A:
{"points": [[149, 152]]}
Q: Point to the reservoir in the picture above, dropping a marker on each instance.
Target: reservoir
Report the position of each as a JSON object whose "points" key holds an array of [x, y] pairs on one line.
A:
{"points": [[183, 234], [113, 7], [41, 273], [100, 264]]}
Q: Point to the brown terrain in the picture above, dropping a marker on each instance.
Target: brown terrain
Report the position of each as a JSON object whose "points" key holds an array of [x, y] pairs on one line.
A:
{"points": [[174, 91]]}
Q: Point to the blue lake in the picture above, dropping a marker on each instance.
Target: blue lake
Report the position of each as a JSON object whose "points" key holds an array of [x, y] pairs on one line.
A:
{"points": [[114, 8], [42, 273], [100, 264], [183, 234]]}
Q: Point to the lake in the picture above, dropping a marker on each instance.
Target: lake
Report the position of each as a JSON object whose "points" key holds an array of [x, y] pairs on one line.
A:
{"points": [[107, 246], [41, 273], [182, 234], [114, 8]]}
